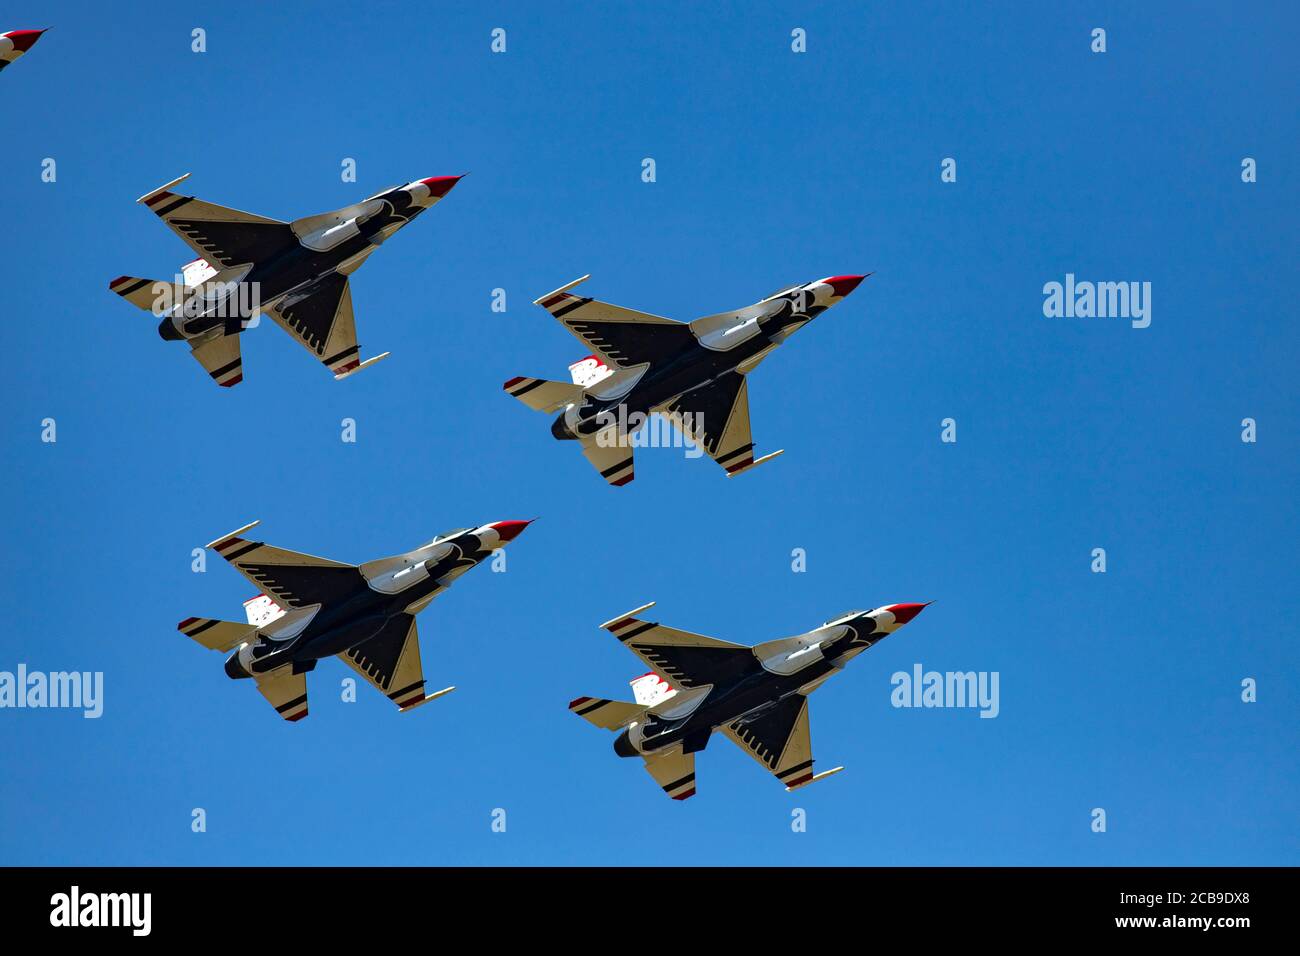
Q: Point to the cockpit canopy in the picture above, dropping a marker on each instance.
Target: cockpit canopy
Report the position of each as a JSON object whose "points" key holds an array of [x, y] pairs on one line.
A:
{"points": [[782, 291], [454, 532], [846, 614]]}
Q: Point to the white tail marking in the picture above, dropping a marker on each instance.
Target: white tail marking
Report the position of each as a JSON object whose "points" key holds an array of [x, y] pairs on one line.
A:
{"points": [[261, 610], [650, 689], [587, 372], [197, 272]]}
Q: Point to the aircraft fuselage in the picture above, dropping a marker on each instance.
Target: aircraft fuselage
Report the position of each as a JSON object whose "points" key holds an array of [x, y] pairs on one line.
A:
{"points": [[695, 367], [359, 613], [293, 272], [749, 696]]}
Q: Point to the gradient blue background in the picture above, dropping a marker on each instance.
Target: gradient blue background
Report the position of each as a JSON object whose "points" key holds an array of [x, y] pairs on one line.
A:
{"points": [[1119, 690]]}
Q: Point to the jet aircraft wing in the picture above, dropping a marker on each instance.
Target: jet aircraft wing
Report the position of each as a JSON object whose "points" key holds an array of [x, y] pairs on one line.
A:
{"points": [[682, 658], [674, 771], [719, 422], [220, 235], [390, 663], [294, 580], [323, 324], [778, 739], [620, 337]]}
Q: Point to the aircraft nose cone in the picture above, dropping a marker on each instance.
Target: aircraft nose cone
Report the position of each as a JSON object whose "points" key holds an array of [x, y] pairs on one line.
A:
{"points": [[509, 530], [905, 612], [439, 186], [24, 40], [843, 285]]}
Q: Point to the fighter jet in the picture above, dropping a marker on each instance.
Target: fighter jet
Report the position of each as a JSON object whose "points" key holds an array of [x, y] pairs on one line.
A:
{"points": [[757, 696], [15, 43], [693, 374], [295, 272], [311, 608]]}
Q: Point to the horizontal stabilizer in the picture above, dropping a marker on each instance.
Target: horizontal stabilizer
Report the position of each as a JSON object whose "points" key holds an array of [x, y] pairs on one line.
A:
{"points": [[286, 692], [221, 359], [543, 395], [606, 714], [217, 635], [146, 293], [613, 460], [674, 770]]}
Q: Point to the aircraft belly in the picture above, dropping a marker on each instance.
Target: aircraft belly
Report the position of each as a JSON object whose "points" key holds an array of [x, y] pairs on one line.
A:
{"points": [[340, 639], [774, 690], [196, 326], [709, 368], [293, 272], [661, 386], [730, 707]]}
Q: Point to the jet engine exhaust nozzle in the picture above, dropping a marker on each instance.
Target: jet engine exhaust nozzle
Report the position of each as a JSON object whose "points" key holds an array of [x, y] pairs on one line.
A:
{"points": [[234, 669], [560, 429], [167, 329], [623, 745]]}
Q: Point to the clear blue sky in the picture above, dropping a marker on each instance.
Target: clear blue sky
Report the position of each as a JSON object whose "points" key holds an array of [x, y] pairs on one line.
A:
{"points": [[1118, 690]]}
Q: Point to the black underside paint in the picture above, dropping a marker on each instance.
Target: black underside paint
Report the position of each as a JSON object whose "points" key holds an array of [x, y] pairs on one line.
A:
{"points": [[352, 614], [693, 378], [766, 703], [282, 265]]}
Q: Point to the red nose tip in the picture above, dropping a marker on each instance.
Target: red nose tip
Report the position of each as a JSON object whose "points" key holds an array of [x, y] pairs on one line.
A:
{"points": [[905, 612], [23, 40], [439, 186], [843, 285], [509, 530]]}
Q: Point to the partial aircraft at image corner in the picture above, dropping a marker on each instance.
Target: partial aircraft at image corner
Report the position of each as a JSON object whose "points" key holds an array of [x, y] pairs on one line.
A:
{"points": [[694, 374], [311, 608], [757, 696], [15, 43], [296, 272]]}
